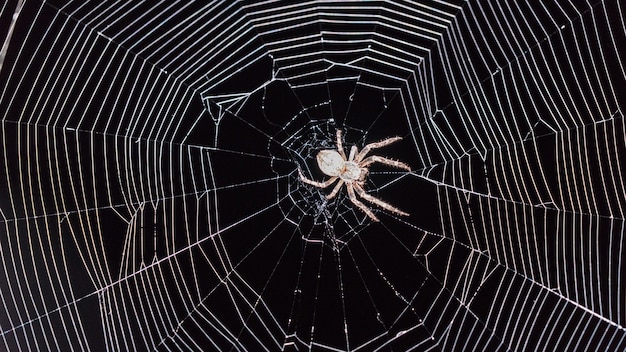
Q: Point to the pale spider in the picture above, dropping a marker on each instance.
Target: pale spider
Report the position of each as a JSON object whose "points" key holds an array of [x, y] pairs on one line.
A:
{"points": [[352, 171]]}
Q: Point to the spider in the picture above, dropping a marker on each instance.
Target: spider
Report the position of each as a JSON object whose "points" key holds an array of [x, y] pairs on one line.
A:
{"points": [[351, 171]]}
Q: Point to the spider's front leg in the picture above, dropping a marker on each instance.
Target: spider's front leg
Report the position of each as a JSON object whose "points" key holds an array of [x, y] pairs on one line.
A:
{"points": [[379, 159], [315, 183], [375, 145], [340, 145], [353, 150]]}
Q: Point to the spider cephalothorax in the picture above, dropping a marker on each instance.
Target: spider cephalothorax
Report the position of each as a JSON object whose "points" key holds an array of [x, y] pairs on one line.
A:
{"points": [[351, 171]]}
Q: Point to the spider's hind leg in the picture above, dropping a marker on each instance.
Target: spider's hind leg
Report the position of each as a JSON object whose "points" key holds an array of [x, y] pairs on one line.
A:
{"points": [[315, 183], [335, 190], [360, 204]]}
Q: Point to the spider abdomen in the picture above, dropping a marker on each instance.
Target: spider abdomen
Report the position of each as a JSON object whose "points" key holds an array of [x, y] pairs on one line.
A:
{"points": [[330, 162]]}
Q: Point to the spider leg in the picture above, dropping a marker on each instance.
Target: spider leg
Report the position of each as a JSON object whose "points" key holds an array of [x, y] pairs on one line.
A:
{"points": [[379, 159], [377, 201], [340, 146], [375, 145], [358, 203], [335, 190], [353, 151], [315, 183]]}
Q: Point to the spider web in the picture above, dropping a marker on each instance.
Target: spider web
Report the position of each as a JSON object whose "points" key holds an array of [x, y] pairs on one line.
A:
{"points": [[150, 197]]}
